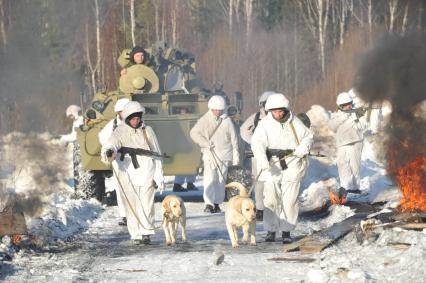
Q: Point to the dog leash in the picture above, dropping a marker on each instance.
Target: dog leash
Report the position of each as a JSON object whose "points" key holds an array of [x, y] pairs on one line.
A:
{"points": [[131, 207]]}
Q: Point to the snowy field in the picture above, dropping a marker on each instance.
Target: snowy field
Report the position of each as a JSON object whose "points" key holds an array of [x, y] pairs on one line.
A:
{"points": [[77, 240]]}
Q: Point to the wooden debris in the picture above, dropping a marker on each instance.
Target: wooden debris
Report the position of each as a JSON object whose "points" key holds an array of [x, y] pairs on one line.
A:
{"points": [[132, 270], [399, 246], [293, 259], [320, 240], [12, 222]]}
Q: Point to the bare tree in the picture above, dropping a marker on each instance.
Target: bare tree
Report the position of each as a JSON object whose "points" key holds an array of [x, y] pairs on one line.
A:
{"points": [[420, 16], [156, 19], [174, 21], [230, 15], [393, 8], [249, 20], [315, 13], [94, 69], [345, 7], [405, 18], [2, 26], [132, 21]]}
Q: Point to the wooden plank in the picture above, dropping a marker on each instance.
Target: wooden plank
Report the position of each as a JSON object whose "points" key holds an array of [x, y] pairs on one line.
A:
{"points": [[293, 259], [322, 239], [412, 226], [12, 222]]}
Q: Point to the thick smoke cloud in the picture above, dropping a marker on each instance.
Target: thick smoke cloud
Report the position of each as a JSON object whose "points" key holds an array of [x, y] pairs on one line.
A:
{"points": [[395, 70], [36, 167], [40, 66]]}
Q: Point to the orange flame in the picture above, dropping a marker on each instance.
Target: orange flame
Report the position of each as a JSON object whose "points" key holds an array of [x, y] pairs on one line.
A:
{"points": [[16, 239], [411, 180], [335, 198]]}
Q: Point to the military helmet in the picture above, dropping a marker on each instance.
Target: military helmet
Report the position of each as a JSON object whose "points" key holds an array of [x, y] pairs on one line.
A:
{"points": [[216, 102], [132, 107], [264, 96], [119, 105], [73, 110], [276, 101], [344, 98]]}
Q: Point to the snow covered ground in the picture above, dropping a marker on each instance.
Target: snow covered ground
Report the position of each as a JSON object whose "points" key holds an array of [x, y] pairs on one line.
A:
{"points": [[77, 240]]}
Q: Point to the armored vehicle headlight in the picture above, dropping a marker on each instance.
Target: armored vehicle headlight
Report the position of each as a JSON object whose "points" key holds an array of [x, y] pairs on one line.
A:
{"points": [[98, 106], [138, 82], [91, 114]]}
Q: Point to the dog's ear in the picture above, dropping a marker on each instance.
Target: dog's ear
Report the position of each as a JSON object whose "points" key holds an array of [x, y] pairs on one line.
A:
{"points": [[166, 206], [238, 205]]}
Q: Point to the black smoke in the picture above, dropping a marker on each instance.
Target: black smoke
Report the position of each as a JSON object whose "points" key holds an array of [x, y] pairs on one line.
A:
{"points": [[395, 70]]}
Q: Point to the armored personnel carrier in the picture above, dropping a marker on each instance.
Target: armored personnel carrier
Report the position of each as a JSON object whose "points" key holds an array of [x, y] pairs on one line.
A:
{"points": [[167, 86]]}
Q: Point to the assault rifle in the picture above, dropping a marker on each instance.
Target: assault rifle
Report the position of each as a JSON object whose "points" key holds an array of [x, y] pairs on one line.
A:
{"points": [[360, 111], [281, 154], [138, 151]]}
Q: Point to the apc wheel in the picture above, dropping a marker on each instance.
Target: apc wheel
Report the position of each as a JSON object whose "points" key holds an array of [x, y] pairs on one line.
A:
{"points": [[87, 184], [237, 174]]}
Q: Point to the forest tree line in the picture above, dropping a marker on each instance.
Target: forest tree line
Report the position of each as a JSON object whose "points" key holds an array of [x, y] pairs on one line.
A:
{"points": [[51, 51]]}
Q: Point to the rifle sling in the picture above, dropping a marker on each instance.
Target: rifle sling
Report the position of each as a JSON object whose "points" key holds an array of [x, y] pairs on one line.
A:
{"points": [[294, 132], [215, 129]]}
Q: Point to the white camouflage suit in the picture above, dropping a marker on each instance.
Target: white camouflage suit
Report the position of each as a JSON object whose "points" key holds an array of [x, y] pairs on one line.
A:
{"points": [[349, 140], [137, 183], [281, 189], [104, 135], [218, 151], [246, 131]]}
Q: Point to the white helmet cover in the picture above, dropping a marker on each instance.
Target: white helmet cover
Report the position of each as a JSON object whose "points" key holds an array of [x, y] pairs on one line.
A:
{"points": [[216, 102], [119, 105], [276, 101], [132, 107], [73, 110], [344, 98], [264, 97]]}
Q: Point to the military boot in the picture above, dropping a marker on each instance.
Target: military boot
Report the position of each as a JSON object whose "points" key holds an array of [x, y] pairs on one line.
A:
{"points": [[259, 215], [123, 222], [286, 237], [191, 187], [217, 208], [270, 237], [178, 188], [146, 240], [209, 208]]}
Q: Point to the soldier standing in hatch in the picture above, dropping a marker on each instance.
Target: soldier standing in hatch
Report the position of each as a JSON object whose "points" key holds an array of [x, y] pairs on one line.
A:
{"points": [[218, 140], [136, 56]]}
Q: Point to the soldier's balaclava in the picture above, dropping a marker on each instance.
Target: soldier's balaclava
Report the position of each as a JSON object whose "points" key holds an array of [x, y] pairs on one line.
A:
{"points": [[136, 114], [137, 49]]}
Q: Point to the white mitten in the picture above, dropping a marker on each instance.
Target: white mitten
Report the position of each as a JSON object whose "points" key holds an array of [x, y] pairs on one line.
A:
{"points": [[301, 151], [263, 165], [161, 187]]}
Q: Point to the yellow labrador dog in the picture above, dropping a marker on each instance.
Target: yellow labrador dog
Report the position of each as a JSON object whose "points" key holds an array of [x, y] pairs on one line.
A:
{"points": [[241, 212], [173, 212]]}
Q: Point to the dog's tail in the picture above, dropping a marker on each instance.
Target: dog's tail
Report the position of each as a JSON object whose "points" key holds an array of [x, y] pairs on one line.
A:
{"points": [[239, 186]]}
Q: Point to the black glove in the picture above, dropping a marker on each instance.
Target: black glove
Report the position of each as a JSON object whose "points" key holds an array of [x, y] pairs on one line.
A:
{"points": [[109, 153]]}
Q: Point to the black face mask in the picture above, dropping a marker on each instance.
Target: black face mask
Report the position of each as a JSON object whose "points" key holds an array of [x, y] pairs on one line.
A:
{"points": [[131, 116]]}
